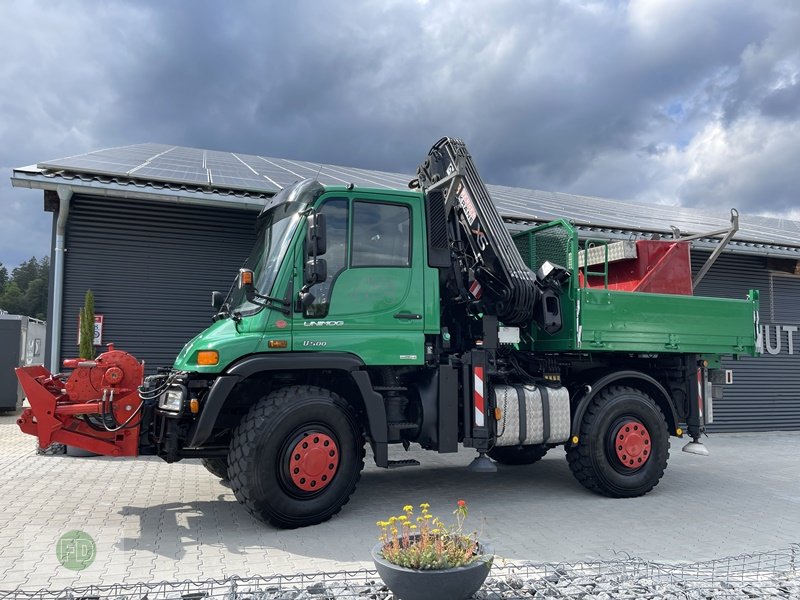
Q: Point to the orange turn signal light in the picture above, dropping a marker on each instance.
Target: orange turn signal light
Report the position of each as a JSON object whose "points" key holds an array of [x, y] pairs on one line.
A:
{"points": [[194, 406], [277, 344], [207, 358], [245, 277], [498, 413]]}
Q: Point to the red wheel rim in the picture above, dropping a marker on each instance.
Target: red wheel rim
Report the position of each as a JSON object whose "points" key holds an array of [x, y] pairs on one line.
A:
{"points": [[314, 461], [632, 444]]}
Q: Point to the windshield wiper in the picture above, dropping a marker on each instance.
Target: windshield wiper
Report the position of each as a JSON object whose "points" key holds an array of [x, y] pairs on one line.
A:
{"points": [[270, 302]]}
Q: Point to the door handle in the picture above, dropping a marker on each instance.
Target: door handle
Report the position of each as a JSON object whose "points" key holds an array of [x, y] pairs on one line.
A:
{"points": [[410, 316]]}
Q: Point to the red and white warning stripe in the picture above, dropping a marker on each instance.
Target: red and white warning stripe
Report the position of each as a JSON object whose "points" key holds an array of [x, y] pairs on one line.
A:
{"points": [[480, 409], [700, 392], [476, 290]]}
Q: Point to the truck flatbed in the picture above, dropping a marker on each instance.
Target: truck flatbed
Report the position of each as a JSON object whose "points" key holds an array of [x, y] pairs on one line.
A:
{"points": [[600, 319]]}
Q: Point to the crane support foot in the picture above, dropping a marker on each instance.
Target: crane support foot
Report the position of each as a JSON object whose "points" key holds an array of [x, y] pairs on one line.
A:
{"points": [[696, 447], [482, 464]]}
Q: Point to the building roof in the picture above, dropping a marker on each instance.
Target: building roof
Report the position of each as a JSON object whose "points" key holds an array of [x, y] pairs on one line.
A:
{"points": [[195, 175]]}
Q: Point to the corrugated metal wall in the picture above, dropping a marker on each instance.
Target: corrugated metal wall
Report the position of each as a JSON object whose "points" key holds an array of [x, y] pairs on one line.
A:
{"points": [[152, 267], [765, 394]]}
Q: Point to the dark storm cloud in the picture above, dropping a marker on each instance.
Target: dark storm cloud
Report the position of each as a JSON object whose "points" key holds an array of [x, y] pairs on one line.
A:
{"points": [[783, 103], [659, 101], [306, 80]]}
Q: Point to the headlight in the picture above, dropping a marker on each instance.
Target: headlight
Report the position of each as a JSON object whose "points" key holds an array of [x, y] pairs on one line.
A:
{"points": [[172, 399]]}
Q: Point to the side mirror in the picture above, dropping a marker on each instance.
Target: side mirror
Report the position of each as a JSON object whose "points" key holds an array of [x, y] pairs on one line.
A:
{"points": [[316, 236], [316, 271], [217, 299], [306, 300]]}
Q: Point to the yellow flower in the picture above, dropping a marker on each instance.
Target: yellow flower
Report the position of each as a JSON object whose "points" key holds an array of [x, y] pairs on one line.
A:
{"points": [[436, 543]]}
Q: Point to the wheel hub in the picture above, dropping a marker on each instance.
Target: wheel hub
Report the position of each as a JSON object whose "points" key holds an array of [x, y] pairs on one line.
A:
{"points": [[314, 461], [632, 444]]}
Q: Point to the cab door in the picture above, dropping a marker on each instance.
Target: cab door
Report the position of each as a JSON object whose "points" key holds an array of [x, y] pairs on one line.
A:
{"points": [[372, 302]]}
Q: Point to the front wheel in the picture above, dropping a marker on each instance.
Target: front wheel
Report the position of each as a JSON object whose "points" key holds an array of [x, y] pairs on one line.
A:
{"points": [[296, 457], [623, 445]]}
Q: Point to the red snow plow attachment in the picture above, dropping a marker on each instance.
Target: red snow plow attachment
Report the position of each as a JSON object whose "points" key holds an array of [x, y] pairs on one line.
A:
{"points": [[96, 408]]}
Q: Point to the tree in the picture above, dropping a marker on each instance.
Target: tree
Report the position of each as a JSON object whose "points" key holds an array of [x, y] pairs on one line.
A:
{"points": [[12, 300], [87, 327], [25, 273], [25, 292], [3, 277], [35, 299]]}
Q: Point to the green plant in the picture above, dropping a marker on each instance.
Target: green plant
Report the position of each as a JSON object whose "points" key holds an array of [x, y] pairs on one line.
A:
{"points": [[425, 542], [86, 343]]}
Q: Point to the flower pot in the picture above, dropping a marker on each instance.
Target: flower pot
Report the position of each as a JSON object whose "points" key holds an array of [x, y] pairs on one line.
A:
{"points": [[457, 583]]}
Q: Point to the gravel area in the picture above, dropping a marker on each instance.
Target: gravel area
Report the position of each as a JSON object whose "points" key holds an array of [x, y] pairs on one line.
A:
{"points": [[771, 575]]}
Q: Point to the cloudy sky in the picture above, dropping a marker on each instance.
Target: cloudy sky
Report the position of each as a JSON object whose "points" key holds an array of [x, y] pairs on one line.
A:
{"points": [[690, 102]]}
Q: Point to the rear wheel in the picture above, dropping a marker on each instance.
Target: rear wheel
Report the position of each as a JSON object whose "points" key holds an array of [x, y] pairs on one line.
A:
{"points": [[517, 455], [297, 456], [217, 467], [624, 444]]}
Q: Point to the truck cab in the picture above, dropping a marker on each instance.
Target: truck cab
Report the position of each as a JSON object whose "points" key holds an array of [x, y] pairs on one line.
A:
{"points": [[367, 292]]}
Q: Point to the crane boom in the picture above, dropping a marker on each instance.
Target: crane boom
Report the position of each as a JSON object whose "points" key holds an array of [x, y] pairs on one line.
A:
{"points": [[466, 231]]}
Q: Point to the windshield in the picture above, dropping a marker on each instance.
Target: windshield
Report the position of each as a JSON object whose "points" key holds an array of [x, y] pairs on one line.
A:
{"points": [[276, 225], [276, 228]]}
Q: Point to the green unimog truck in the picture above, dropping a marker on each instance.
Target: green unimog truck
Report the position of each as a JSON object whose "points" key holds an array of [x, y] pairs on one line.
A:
{"points": [[390, 317]]}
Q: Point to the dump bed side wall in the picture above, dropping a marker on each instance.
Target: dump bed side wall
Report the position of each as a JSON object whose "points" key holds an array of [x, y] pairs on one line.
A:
{"points": [[640, 322]]}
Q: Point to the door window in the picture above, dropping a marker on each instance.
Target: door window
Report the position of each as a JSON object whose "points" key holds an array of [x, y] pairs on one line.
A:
{"points": [[381, 235]]}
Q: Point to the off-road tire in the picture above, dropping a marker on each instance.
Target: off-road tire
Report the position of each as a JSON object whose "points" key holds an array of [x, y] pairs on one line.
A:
{"points": [[518, 455], [217, 467], [262, 448], [593, 461]]}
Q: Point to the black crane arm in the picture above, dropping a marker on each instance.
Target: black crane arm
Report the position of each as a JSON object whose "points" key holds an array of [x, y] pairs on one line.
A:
{"points": [[465, 231]]}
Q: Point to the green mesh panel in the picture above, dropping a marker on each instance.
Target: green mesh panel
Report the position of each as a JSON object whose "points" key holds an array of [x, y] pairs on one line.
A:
{"points": [[551, 242]]}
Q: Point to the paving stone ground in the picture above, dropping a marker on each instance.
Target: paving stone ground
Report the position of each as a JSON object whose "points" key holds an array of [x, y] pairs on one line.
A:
{"points": [[152, 521]]}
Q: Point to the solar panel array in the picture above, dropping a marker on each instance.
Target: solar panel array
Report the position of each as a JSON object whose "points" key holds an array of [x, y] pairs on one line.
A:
{"points": [[215, 170]]}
